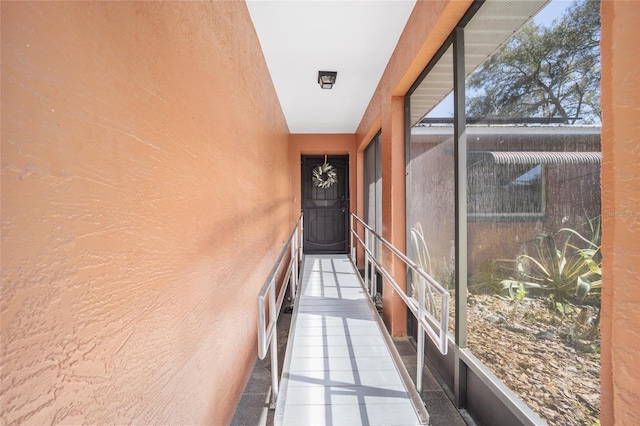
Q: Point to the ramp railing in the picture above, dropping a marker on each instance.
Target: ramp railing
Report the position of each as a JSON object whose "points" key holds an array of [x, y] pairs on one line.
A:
{"points": [[272, 295], [427, 319]]}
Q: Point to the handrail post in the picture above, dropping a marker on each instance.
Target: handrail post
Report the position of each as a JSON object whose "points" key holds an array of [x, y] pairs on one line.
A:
{"points": [[353, 247], [294, 272], [296, 266], [262, 345], [373, 289], [374, 282], [420, 354], [274, 350], [439, 338], [366, 258], [301, 236], [267, 330]]}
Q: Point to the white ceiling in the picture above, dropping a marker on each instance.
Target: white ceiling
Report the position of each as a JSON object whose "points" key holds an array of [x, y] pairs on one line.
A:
{"points": [[301, 37]]}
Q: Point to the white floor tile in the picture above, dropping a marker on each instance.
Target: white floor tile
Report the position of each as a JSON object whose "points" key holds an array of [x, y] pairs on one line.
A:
{"points": [[340, 371]]}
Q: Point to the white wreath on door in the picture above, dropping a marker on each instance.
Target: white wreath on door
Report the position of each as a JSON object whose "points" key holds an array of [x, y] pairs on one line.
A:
{"points": [[324, 176]]}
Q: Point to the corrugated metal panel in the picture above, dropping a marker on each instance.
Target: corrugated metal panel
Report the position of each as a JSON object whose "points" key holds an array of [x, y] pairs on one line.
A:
{"points": [[544, 157]]}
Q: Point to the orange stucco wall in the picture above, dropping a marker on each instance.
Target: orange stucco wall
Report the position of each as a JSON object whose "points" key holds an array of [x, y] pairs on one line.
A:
{"points": [[620, 326], [137, 223], [427, 28], [429, 25], [319, 144]]}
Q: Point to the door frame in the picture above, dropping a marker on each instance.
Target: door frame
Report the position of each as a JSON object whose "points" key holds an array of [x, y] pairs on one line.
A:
{"points": [[347, 201]]}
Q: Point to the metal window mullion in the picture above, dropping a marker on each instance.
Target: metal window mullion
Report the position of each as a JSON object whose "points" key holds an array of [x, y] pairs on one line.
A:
{"points": [[460, 158], [460, 155], [407, 195]]}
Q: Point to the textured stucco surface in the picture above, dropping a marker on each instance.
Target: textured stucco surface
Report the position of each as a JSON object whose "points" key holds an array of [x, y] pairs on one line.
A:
{"points": [[143, 205], [620, 212], [429, 25]]}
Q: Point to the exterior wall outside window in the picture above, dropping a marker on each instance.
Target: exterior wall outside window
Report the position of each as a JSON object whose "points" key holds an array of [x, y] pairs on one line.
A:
{"points": [[569, 193]]}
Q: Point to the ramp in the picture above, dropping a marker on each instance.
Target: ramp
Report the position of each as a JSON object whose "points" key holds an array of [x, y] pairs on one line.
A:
{"points": [[339, 367]]}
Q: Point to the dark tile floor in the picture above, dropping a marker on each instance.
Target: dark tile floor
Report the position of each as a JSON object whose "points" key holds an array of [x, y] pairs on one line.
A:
{"points": [[253, 408], [441, 410]]}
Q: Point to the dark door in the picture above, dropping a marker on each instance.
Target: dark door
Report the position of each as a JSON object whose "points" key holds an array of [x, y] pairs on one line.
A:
{"points": [[326, 210]]}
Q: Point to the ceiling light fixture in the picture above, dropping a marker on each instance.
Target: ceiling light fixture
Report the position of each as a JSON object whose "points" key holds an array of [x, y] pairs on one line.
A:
{"points": [[326, 79]]}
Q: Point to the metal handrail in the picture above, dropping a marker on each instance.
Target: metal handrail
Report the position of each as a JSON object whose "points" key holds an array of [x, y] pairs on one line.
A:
{"points": [[425, 322], [267, 335]]}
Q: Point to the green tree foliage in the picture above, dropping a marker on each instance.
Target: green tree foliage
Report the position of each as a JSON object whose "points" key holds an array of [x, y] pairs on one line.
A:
{"points": [[550, 72]]}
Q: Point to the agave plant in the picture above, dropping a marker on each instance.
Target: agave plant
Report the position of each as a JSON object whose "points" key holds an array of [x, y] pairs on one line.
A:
{"points": [[560, 269]]}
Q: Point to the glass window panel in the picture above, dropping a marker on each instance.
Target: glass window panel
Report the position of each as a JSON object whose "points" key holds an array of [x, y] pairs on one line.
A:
{"points": [[373, 187], [430, 169], [533, 196]]}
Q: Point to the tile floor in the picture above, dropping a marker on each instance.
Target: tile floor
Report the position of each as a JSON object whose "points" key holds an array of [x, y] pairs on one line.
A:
{"points": [[340, 371], [340, 365]]}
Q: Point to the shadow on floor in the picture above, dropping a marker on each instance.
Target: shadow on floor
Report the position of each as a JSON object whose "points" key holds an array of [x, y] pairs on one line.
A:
{"points": [[253, 408]]}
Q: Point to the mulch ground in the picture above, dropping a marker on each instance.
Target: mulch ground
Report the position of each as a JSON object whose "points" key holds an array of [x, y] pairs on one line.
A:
{"points": [[548, 360]]}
